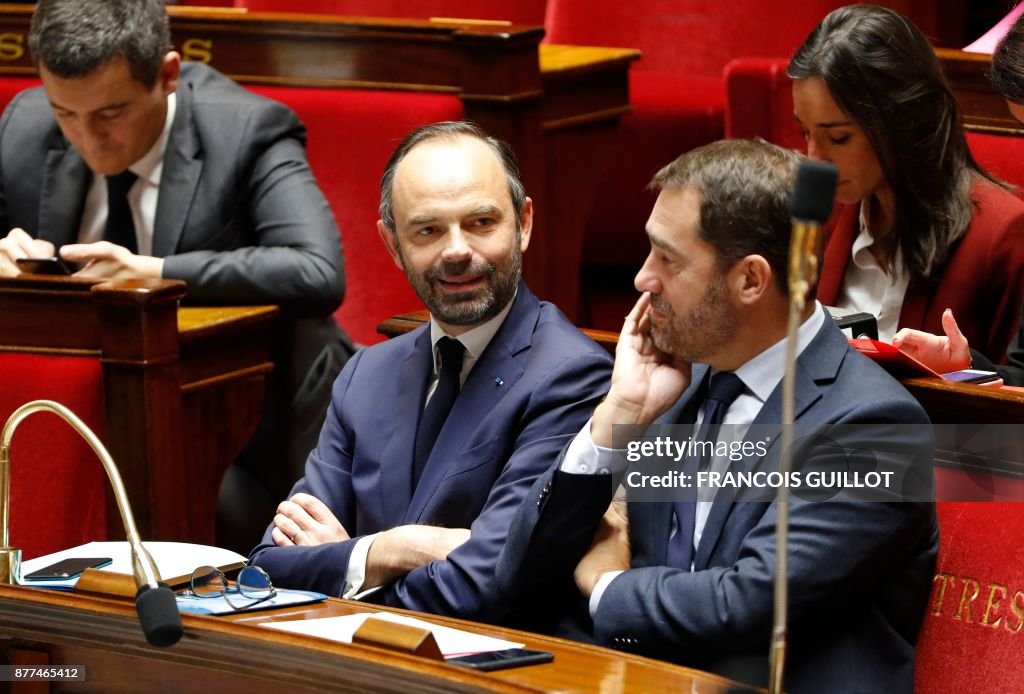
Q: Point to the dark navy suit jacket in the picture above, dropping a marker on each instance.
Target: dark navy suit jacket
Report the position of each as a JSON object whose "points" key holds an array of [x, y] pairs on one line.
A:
{"points": [[530, 391], [860, 571]]}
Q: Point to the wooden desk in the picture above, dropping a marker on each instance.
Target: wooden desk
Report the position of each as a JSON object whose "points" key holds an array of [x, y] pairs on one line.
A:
{"points": [[983, 108], [233, 654], [558, 106], [183, 388]]}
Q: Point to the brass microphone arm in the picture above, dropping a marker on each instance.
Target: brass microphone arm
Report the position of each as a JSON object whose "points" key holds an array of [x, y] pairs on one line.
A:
{"points": [[803, 272], [143, 567]]}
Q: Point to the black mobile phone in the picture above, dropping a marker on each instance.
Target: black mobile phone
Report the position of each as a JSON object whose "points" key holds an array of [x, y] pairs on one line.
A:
{"points": [[67, 568], [499, 660], [47, 266], [971, 376]]}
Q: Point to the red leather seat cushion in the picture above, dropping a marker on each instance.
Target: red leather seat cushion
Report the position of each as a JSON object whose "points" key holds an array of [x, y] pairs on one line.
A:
{"points": [[971, 637], [352, 132], [58, 486]]}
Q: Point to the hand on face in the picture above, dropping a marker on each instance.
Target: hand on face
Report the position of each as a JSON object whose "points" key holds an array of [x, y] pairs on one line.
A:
{"points": [[305, 520], [949, 352], [104, 259], [18, 244], [645, 380]]}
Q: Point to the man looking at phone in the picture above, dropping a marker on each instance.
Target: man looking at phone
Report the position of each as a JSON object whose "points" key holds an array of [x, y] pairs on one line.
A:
{"points": [[692, 581], [134, 165]]}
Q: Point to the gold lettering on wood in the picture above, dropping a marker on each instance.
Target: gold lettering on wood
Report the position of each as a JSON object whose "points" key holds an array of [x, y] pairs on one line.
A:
{"points": [[12, 47], [200, 50]]}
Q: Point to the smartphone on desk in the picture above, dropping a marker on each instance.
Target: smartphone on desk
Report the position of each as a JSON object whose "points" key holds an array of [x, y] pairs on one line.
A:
{"points": [[71, 567], [47, 266], [499, 660], [975, 376]]}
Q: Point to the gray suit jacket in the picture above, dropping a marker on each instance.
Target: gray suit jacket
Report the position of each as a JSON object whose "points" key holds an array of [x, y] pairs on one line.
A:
{"points": [[241, 220], [860, 571], [240, 217]]}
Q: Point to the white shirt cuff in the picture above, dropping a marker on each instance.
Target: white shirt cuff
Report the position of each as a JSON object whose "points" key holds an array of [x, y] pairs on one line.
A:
{"points": [[602, 583], [356, 573], [584, 457]]}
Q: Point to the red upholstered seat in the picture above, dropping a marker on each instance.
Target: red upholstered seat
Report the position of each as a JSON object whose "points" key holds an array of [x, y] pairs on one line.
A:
{"points": [[58, 486], [678, 96], [10, 85], [516, 11], [972, 635], [352, 133]]}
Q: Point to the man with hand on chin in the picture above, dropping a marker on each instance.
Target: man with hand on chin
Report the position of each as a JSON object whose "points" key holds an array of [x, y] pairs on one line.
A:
{"points": [[433, 438], [691, 580]]}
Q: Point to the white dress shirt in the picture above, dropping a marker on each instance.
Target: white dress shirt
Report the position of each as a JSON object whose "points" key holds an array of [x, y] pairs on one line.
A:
{"points": [[869, 287], [142, 196], [475, 341], [761, 375]]}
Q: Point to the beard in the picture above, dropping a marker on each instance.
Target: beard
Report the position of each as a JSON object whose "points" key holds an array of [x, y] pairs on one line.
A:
{"points": [[474, 306], [700, 333]]}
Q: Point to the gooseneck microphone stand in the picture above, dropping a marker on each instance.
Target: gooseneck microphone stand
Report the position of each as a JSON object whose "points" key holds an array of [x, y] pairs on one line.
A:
{"points": [[810, 206], [154, 602]]}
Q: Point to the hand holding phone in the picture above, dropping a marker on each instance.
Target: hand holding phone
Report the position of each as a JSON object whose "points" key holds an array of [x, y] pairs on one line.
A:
{"points": [[499, 660], [71, 567], [47, 266]]}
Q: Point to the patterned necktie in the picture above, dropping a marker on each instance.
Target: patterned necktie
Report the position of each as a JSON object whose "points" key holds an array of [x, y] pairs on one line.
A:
{"points": [[436, 412], [725, 387], [120, 228]]}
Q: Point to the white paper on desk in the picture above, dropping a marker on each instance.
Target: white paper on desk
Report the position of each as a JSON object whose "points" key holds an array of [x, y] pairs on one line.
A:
{"points": [[172, 559], [452, 642]]}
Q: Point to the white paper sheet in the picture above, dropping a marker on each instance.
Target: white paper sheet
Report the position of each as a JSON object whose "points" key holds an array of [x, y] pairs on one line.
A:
{"points": [[452, 642], [172, 559]]}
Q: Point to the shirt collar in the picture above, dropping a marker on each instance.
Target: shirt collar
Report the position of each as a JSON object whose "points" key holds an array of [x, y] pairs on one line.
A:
{"points": [[763, 373], [150, 166], [474, 340]]}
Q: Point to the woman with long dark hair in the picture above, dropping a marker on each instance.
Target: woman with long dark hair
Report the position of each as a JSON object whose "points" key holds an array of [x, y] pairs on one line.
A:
{"points": [[920, 227]]}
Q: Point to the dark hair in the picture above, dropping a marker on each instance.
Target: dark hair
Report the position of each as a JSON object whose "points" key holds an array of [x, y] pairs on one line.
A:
{"points": [[450, 130], [71, 38], [884, 75], [744, 188], [1008, 64]]}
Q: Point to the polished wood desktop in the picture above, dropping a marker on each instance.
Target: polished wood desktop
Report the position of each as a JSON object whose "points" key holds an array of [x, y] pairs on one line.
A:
{"points": [[983, 108], [558, 106], [233, 654], [183, 387]]}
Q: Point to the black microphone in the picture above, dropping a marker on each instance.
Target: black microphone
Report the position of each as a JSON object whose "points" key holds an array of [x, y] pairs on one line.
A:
{"points": [[810, 205], [158, 614], [814, 191]]}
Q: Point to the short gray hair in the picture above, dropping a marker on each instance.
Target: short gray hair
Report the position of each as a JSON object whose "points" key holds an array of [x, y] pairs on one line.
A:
{"points": [[450, 130]]}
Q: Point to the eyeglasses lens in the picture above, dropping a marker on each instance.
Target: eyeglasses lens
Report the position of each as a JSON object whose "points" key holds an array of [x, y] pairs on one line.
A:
{"points": [[208, 582], [253, 582]]}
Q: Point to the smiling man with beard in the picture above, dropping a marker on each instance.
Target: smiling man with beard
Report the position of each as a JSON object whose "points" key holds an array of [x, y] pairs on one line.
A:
{"points": [[691, 579], [433, 438]]}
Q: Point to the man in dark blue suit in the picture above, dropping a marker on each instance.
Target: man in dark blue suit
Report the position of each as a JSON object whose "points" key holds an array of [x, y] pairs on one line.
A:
{"points": [[384, 507], [692, 580]]}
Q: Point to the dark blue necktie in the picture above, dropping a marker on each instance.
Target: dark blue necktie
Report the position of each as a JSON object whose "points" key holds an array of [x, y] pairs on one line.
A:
{"points": [[120, 228], [724, 388], [436, 412]]}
